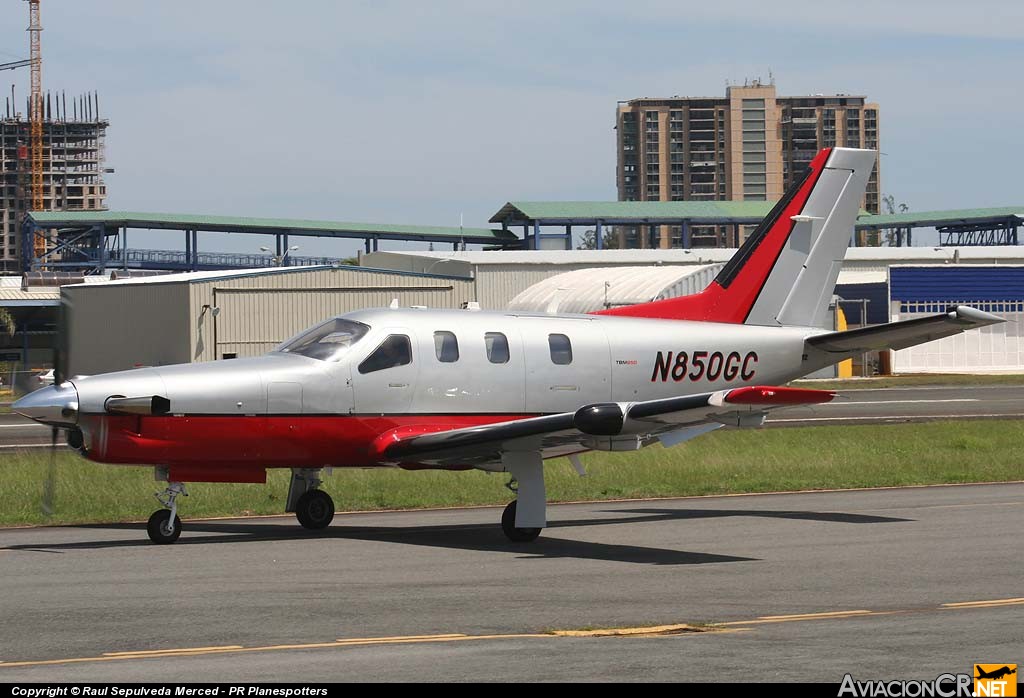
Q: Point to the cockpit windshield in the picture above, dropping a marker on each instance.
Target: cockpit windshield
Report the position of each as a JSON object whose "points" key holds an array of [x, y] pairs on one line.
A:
{"points": [[327, 341]]}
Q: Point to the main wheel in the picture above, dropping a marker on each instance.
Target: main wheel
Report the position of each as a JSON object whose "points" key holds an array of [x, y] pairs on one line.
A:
{"points": [[508, 525], [315, 509], [159, 527]]}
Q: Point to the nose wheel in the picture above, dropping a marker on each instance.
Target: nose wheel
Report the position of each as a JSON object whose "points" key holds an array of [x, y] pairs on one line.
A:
{"points": [[314, 510], [164, 526], [161, 530]]}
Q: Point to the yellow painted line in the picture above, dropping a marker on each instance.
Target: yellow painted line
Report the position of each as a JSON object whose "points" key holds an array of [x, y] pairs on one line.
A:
{"points": [[664, 630], [347, 640], [985, 604], [139, 653], [806, 616], [233, 649], [625, 632]]}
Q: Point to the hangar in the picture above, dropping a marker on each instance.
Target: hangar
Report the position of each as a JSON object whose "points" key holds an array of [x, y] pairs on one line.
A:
{"points": [[223, 314], [202, 316], [588, 290], [921, 290]]}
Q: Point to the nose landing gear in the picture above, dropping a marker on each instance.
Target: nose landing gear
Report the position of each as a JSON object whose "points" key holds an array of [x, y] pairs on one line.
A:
{"points": [[164, 526], [313, 507]]}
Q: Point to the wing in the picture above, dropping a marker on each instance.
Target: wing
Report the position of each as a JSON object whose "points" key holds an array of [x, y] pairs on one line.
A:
{"points": [[608, 426], [900, 335]]}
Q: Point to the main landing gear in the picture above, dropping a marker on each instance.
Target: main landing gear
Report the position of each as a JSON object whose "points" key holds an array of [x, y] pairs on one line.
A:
{"points": [[164, 526], [526, 516], [313, 507], [508, 525]]}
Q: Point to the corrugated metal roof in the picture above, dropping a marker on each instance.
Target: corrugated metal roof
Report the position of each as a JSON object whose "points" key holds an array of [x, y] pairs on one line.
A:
{"points": [[198, 276], [920, 219], [587, 290], [622, 212], [186, 221], [703, 255], [14, 296], [739, 211], [862, 276], [961, 283]]}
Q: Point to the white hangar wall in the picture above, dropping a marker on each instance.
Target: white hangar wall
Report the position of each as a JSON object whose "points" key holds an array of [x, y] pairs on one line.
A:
{"points": [[160, 320]]}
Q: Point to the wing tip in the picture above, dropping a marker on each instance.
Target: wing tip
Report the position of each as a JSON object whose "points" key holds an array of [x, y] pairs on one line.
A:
{"points": [[972, 316]]}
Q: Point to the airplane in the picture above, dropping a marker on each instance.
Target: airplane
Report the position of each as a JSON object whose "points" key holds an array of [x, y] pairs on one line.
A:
{"points": [[995, 674], [465, 389]]}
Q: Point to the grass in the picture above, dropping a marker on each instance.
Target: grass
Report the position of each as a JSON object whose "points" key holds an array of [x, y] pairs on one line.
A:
{"points": [[918, 379], [727, 461]]}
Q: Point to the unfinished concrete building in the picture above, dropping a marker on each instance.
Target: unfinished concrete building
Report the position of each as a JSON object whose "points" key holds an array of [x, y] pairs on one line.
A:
{"points": [[73, 167]]}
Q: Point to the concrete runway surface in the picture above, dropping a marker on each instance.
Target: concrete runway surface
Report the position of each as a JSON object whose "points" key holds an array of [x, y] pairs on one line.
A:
{"points": [[893, 583], [876, 405]]}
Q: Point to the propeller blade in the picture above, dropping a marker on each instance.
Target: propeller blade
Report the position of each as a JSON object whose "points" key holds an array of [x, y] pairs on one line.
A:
{"points": [[50, 484]]}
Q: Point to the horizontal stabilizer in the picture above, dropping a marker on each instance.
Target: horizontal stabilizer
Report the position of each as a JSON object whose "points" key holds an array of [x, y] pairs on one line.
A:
{"points": [[900, 335]]}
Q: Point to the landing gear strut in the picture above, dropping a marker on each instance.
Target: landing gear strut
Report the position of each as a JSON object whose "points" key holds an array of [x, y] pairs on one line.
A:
{"points": [[313, 507], [164, 526], [524, 517]]}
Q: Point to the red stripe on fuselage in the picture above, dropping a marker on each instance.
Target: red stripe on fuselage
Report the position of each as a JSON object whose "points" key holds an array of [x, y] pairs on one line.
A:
{"points": [[275, 441]]}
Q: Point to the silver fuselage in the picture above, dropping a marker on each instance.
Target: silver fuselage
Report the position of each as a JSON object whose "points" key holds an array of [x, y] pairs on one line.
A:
{"points": [[616, 359]]}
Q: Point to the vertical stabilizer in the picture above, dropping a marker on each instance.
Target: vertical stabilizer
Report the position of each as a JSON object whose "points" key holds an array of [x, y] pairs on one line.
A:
{"points": [[786, 270]]}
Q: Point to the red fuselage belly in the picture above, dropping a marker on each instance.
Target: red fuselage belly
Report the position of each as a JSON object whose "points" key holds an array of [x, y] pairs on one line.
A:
{"points": [[259, 441]]}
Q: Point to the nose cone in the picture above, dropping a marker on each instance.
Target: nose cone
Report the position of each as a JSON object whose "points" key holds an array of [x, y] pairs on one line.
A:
{"points": [[56, 405]]}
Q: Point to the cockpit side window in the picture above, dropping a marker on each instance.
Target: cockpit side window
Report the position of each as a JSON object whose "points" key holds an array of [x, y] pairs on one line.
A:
{"points": [[395, 350], [328, 341]]}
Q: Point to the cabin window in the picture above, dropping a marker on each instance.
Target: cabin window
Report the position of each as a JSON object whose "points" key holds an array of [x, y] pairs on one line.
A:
{"points": [[497, 347], [328, 341], [561, 349], [446, 346], [396, 350]]}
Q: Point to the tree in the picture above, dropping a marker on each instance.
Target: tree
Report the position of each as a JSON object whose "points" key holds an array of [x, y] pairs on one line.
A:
{"points": [[609, 240], [7, 323], [892, 234]]}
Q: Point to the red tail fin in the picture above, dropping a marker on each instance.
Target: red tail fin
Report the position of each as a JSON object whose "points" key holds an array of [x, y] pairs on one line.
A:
{"points": [[730, 297]]}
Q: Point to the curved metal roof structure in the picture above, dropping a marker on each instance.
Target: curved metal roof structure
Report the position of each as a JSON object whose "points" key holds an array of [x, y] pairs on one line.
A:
{"points": [[587, 290]]}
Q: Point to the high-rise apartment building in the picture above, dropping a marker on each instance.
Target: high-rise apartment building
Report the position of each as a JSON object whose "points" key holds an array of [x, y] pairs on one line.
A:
{"points": [[746, 146], [73, 167]]}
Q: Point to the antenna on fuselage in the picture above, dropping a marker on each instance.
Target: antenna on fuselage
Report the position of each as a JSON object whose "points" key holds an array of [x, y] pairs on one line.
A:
{"points": [[394, 304]]}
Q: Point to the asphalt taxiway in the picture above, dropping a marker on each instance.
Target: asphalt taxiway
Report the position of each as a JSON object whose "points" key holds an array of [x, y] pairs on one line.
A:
{"points": [[891, 583]]}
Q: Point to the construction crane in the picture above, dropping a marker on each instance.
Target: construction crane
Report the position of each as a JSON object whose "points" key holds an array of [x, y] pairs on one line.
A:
{"points": [[16, 64], [35, 28]]}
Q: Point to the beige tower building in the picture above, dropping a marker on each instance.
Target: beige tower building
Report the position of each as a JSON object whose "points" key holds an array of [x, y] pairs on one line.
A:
{"points": [[744, 147]]}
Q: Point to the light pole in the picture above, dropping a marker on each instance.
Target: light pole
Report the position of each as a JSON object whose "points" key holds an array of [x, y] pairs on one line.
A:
{"points": [[280, 260]]}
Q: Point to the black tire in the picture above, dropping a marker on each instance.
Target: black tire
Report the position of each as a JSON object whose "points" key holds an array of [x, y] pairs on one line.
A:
{"points": [[315, 510], [157, 527], [508, 525]]}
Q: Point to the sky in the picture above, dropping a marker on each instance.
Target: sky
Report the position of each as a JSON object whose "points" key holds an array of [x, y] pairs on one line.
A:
{"points": [[414, 112]]}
